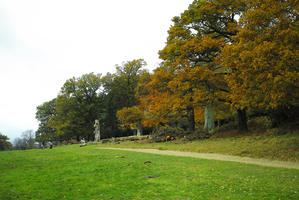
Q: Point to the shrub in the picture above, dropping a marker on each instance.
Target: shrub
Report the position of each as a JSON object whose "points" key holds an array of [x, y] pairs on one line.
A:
{"points": [[166, 133], [275, 132], [263, 122]]}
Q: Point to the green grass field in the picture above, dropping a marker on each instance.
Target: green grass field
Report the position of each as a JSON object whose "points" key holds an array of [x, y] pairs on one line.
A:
{"points": [[71, 172]]}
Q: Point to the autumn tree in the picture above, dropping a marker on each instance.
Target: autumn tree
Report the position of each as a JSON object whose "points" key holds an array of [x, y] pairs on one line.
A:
{"points": [[193, 44], [156, 98], [263, 58]]}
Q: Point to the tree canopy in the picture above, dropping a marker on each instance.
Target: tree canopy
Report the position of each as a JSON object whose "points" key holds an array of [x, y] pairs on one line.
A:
{"points": [[263, 57], [222, 60], [4, 143]]}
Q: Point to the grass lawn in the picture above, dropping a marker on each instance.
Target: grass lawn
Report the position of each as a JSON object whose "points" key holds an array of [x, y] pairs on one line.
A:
{"points": [[284, 147], [71, 172]]}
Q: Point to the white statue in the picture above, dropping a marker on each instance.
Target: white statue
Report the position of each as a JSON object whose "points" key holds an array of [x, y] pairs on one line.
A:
{"points": [[97, 131]]}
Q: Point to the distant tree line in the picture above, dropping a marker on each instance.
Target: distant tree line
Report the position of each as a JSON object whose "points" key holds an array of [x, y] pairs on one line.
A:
{"points": [[223, 60], [82, 100], [25, 141]]}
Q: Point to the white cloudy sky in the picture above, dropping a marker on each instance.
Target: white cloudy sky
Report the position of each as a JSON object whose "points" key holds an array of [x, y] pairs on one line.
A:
{"points": [[45, 42]]}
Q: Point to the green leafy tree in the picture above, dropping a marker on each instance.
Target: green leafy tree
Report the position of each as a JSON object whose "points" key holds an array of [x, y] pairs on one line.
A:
{"points": [[120, 91], [127, 78], [4, 143], [43, 114], [131, 117], [77, 106]]}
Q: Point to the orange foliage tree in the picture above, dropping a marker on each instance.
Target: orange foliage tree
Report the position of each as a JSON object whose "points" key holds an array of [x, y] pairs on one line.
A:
{"points": [[263, 57], [193, 44], [156, 98]]}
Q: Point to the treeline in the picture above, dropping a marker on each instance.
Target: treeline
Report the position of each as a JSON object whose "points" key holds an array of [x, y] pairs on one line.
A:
{"points": [[26, 141], [223, 60], [71, 115]]}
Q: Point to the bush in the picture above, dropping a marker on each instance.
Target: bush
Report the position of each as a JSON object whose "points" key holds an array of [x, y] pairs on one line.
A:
{"points": [[198, 134], [275, 132], [227, 127], [166, 133], [263, 122]]}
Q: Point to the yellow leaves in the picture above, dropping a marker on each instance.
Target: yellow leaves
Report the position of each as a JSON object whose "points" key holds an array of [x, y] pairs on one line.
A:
{"points": [[204, 62], [277, 79], [199, 114], [203, 44], [178, 32], [203, 49], [263, 58], [127, 125], [158, 109], [131, 115], [159, 81]]}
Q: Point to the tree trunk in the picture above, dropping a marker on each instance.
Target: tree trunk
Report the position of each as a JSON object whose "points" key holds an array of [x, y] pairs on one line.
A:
{"points": [[209, 125], [191, 119], [242, 120], [139, 130]]}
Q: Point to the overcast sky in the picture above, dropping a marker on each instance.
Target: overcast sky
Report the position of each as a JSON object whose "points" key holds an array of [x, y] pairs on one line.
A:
{"points": [[45, 42]]}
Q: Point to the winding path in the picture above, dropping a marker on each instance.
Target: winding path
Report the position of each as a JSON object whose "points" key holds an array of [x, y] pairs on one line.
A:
{"points": [[212, 156]]}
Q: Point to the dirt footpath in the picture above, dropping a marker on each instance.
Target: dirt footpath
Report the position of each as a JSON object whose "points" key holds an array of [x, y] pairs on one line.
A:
{"points": [[212, 156]]}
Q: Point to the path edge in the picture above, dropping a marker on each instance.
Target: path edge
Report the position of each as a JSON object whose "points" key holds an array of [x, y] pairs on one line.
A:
{"points": [[214, 156]]}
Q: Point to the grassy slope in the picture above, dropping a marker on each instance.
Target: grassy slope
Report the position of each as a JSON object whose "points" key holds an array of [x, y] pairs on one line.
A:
{"points": [[71, 172], [285, 147]]}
